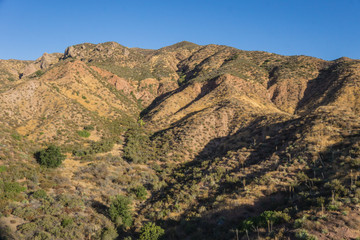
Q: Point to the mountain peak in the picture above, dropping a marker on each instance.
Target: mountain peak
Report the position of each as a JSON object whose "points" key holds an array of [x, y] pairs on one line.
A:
{"points": [[182, 44]]}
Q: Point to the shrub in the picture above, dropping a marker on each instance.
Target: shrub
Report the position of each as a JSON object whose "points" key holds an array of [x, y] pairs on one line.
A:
{"points": [[266, 220], [50, 157], [39, 73], [11, 189], [40, 194], [109, 234], [303, 234], [89, 128], [247, 225], [151, 232], [16, 136], [337, 186], [95, 147], [66, 222], [2, 169], [298, 223], [138, 147], [83, 133], [101, 146], [140, 192], [119, 211], [270, 218]]}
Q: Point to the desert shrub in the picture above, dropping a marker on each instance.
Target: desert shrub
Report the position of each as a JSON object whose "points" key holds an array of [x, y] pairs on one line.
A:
{"points": [[101, 146], [355, 162], [109, 234], [39, 73], [140, 192], [27, 227], [300, 222], [83, 133], [2, 169], [304, 235], [274, 217], [66, 222], [39, 194], [334, 206], [151, 232], [89, 128], [95, 147], [337, 186], [16, 136], [10, 190], [119, 211], [50, 157], [138, 147], [80, 152], [6, 233], [248, 225], [266, 220], [70, 201], [182, 79]]}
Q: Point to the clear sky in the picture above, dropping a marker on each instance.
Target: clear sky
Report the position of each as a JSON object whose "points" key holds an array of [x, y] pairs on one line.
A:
{"points": [[327, 29]]}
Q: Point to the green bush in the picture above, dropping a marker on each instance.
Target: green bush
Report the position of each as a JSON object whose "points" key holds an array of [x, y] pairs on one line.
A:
{"points": [[119, 211], [101, 146], [109, 234], [304, 235], [66, 222], [83, 133], [39, 73], [10, 190], [337, 186], [50, 157], [95, 147], [2, 169], [16, 136], [140, 192], [138, 147], [40, 194], [151, 232], [267, 219]]}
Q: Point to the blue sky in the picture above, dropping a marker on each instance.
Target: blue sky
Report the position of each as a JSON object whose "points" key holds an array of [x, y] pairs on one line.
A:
{"points": [[327, 29]]}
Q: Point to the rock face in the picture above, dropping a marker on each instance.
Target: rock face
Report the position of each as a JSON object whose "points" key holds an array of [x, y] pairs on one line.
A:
{"points": [[42, 63], [31, 68], [69, 52], [48, 60]]}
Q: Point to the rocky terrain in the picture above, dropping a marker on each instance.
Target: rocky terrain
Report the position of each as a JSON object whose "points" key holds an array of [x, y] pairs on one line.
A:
{"points": [[204, 142]]}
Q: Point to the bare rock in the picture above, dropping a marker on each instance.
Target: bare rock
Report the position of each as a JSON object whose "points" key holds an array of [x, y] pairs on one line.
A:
{"points": [[49, 59], [70, 52]]}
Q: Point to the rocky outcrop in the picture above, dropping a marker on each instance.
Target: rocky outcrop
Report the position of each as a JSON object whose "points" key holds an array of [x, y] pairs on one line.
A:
{"points": [[42, 63]]}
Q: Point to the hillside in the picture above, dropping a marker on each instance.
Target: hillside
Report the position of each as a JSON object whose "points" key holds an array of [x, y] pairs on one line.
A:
{"points": [[206, 142]]}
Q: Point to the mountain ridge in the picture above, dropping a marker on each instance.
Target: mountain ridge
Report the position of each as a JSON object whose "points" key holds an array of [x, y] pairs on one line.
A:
{"points": [[216, 138]]}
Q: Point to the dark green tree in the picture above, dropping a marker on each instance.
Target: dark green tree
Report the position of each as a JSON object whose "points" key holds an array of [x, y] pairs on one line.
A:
{"points": [[50, 157]]}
